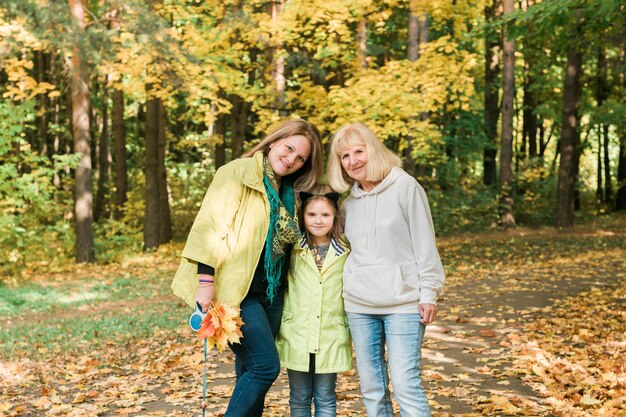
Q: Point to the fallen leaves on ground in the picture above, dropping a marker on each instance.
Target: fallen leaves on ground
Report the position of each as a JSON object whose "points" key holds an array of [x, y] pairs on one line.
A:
{"points": [[514, 338]]}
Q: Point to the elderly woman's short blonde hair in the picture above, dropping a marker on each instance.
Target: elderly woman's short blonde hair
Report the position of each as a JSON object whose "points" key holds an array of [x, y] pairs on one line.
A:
{"points": [[380, 160]]}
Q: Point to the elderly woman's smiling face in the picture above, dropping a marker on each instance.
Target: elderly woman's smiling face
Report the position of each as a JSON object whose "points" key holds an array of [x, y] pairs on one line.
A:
{"points": [[354, 161]]}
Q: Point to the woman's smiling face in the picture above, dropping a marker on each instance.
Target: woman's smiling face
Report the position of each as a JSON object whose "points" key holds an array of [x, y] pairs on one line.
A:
{"points": [[287, 155]]}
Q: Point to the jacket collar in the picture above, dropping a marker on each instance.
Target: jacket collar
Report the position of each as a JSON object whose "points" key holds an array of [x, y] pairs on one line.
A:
{"points": [[253, 177], [337, 246]]}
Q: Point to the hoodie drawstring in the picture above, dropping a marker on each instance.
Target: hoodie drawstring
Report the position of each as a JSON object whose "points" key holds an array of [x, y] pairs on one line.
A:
{"points": [[366, 222]]}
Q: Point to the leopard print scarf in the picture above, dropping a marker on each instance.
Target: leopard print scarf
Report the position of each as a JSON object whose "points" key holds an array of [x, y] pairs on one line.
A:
{"points": [[283, 228]]}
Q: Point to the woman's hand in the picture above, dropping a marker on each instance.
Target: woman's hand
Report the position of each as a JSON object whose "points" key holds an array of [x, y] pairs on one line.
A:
{"points": [[205, 293], [428, 313]]}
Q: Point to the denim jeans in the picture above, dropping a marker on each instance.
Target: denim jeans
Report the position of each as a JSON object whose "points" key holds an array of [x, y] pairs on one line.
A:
{"points": [[403, 334], [256, 359], [304, 386]]}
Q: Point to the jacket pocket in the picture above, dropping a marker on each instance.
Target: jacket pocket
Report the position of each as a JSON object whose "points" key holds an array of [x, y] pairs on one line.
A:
{"points": [[286, 316], [343, 330]]}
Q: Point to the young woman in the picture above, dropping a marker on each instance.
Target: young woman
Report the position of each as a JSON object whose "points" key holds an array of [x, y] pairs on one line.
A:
{"points": [[237, 250], [314, 341], [393, 274]]}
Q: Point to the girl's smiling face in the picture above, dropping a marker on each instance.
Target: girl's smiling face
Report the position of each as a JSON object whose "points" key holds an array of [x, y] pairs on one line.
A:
{"points": [[319, 216]]}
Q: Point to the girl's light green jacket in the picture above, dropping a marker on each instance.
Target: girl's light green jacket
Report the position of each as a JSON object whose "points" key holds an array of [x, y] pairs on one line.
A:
{"points": [[313, 318], [228, 233]]}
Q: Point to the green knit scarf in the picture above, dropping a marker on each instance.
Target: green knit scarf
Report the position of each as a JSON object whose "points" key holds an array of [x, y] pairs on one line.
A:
{"points": [[283, 228]]}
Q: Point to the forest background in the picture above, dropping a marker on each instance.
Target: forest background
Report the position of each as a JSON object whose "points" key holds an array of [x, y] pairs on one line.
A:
{"points": [[115, 114]]}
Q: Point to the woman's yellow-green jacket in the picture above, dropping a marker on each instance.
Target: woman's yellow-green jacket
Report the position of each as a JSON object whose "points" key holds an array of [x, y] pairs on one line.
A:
{"points": [[228, 233], [313, 318]]}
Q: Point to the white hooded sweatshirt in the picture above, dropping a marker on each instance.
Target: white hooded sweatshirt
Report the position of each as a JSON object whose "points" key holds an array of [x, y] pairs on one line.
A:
{"points": [[394, 264]]}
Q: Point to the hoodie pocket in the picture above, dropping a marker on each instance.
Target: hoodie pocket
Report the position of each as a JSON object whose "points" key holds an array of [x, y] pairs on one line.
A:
{"points": [[380, 285]]}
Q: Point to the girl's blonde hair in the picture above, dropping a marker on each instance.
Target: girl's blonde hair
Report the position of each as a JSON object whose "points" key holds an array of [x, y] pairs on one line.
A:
{"points": [[319, 194], [308, 175], [380, 160]]}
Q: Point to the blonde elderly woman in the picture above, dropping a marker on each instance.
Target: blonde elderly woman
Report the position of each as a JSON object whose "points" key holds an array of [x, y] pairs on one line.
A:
{"points": [[393, 274], [237, 250]]}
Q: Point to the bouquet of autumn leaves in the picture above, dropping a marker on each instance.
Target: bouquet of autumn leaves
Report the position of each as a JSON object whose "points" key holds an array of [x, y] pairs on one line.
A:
{"points": [[221, 326]]}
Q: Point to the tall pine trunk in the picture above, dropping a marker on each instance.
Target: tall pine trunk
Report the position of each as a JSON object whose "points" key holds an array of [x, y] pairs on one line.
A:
{"points": [[507, 219], [417, 38], [151, 213], [121, 169], [603, 192], [83, 195], [620, 196], [530, 118], [568, 147], [157, 221], [491, 112], [238, 124], [103, 158], [42, 123], [165, 217], [278, 62], [218, 129]]}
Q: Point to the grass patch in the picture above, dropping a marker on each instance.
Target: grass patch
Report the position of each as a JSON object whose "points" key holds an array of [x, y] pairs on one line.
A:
{"points": [[79, 313], [90, 330], [44, 298]]}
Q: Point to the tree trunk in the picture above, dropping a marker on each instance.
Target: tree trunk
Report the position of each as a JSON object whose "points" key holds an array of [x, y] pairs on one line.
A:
{"points": [[121, 170], [157, 220], [83, 196], [151, 215], [620, 197], [529, 116], [42, 99], [602, 93], [278, 63], [55, 105], [93, 125], [492, 110], [568, 147], [507, 219], [608, 188], [417, 39], [238, 125], [412, 55], [220, 148], [599, 192], [165, 218], [103, 156]]}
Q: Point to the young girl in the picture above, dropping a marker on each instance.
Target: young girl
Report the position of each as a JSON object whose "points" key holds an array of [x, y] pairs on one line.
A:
{"points": [[314, 340]]}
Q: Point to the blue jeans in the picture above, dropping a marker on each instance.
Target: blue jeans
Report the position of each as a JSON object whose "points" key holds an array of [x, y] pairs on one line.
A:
{"points": [[304, 386], [256, 359], [403, 335]]}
